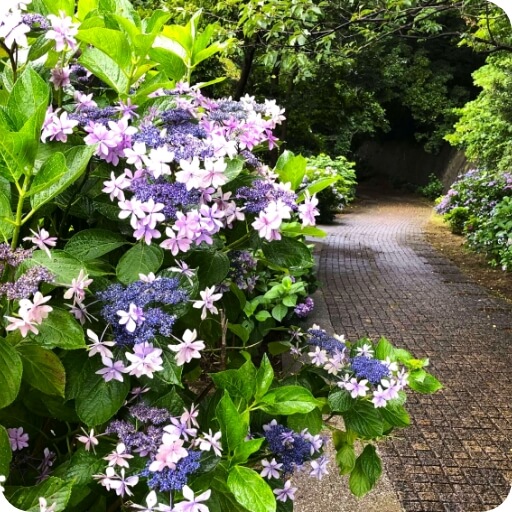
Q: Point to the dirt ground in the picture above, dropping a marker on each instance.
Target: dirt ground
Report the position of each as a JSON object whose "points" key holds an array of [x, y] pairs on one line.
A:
{"points": [[473, 264]]}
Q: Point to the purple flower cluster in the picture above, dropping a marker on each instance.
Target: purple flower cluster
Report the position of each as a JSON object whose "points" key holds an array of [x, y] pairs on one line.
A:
{"points": [[368, 368], [291, 449], [138, 296], [242, 270], [303, 309], [258, 196], [174, 196], [319, 338], [27, 284], [169, 479], [35, 21]]}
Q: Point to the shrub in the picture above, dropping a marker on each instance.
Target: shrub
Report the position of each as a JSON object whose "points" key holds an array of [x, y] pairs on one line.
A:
{"points": [[340, 175], [433, 189], [151, 271]]}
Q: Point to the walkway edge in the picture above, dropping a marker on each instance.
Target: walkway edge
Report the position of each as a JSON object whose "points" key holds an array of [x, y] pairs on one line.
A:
{"points": [[332, 494]]}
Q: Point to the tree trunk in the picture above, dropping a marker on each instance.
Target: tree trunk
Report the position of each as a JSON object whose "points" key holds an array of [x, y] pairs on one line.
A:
{"points": [[249, 53]]}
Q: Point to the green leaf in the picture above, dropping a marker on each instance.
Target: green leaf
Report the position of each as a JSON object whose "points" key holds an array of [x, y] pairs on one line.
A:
{"points": [[262, 315], [245, 449], [288, 400], [59, 175], [340, 400], [384, 349], [29, 99], [140, 259], [264, 377], [288, 253], [55, 6], [345, 455], [238, 383], [112, 43], [395, 415], [85, 7], [80, 468], [60, 330], [233, 425], [49, 173], [11, 370], [171, 373], [366, 472], [171, 401], [97, 401], [234, 168], [43, 370], [317, 186], [279, 347], [364, 419], [250, 490], [62, 265], [297, 229], [170, 62], [6, 228], [291, 169], [428, 384], [5, 452], [90, 244], [240, 331], [212, 267], [16, 156], [105, 69], [279, 311], [310, 420], [54, 490]]}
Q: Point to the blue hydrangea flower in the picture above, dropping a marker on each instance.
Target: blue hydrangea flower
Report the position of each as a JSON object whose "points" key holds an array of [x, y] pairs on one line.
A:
{"points": [[371, 369]]}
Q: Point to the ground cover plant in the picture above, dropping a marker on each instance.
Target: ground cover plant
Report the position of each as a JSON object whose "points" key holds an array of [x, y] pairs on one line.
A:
{"points": [[152, 270]]}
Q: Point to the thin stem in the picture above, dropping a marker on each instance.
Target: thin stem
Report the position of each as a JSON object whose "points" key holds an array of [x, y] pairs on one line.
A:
{"points": [[12, 60], [19, 211], [224, 327]]}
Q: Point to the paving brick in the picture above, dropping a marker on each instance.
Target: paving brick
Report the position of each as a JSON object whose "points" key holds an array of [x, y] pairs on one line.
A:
{"points": [[381, 278]]}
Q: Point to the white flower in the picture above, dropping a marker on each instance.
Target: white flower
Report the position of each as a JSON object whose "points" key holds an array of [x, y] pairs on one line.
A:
{"points": [[193, 502], [118, 457], [189, 349], [207, 303], [88, 439], [211, 441]]}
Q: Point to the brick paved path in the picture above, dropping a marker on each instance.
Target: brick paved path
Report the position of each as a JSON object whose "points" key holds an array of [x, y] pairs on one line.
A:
{"points": [[382, 278]]}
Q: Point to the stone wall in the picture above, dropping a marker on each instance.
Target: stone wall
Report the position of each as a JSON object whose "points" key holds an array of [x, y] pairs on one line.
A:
{"points": [[407, 163]]}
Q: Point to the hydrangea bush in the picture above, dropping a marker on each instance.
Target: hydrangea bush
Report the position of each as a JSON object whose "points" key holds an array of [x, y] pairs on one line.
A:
{"points": [[340, 176], [152, 270], [478, 206]]}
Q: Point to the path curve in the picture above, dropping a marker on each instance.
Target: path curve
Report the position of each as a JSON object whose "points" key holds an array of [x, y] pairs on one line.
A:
{"points": [[381, 278]]}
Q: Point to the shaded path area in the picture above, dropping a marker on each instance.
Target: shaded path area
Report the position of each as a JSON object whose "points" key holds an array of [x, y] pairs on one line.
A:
{"points": [[381, 278]]}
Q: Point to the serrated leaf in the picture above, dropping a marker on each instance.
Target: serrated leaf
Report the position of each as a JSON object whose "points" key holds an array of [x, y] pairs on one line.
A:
{"points": [[105, 68], [288, 400], [97, 401], [364, 419], [264, 377], [112, 43], [60, 330], [310, 420], [5, 452], [60, 173], [429, 384], [90, 244], [340, 400], [233, 425], [250, 490], [366, 472], [11, 370], [291, 169], [53, 489], [43, 370], [62, 265], [288, 253], [139, 259]]}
